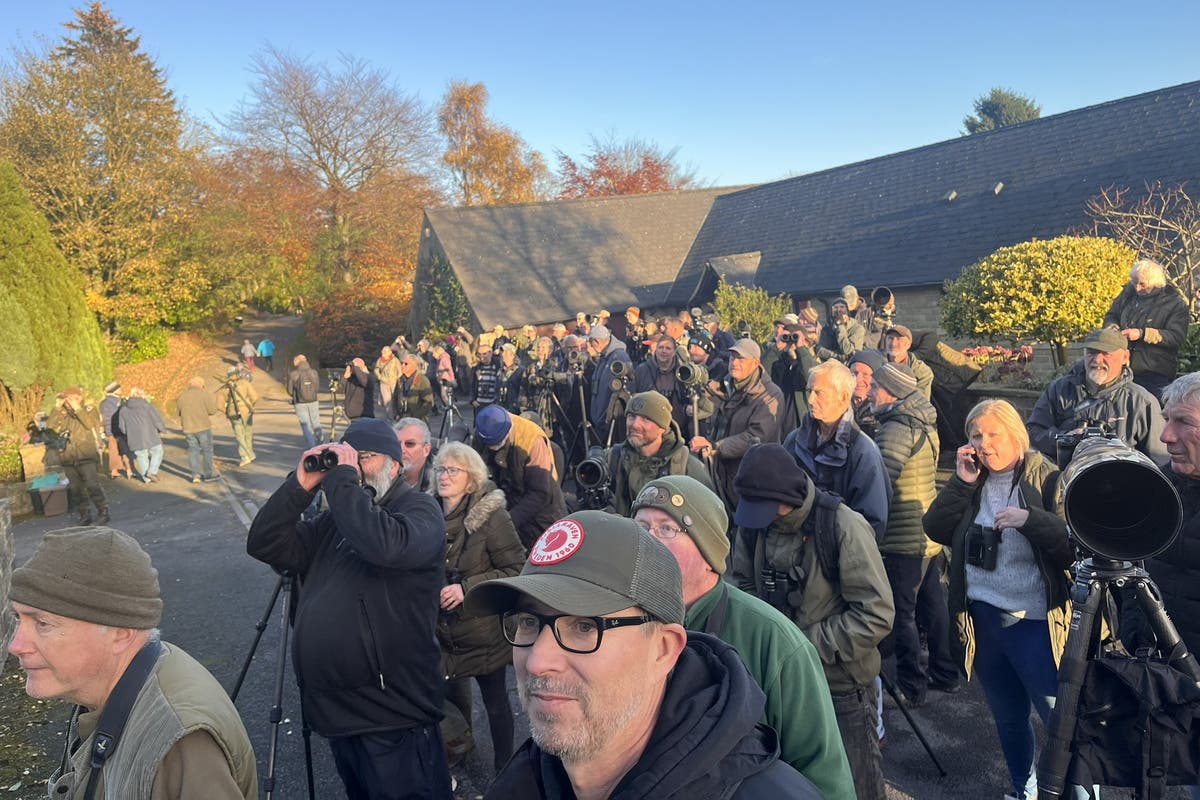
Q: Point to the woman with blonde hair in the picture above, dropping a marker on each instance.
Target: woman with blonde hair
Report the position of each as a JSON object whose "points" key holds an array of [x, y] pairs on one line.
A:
{"points": [[1009, 583], [481, 544]]}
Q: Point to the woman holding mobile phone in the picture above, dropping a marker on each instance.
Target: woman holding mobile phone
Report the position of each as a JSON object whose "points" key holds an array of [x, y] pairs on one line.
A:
{"points": [[1009, 585]]}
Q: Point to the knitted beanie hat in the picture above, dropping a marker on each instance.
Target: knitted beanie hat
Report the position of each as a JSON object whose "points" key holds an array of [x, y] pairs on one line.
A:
{"points": [[94, 574], [898, 379], [696, 509]]}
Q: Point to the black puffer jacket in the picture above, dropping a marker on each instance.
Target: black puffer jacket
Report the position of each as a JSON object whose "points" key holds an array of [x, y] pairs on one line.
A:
{"points": [[706, 745], [1162, 317], [365, 650]]}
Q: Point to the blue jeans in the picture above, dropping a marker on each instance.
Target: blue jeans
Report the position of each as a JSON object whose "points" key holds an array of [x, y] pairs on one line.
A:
{"points": [[1017, 670], [200, 453], [309, 415], [148, 461]]}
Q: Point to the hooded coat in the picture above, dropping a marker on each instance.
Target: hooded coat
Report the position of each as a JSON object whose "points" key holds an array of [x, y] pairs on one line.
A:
{"points": [[706, 745], [635, 470], [481, 544]]}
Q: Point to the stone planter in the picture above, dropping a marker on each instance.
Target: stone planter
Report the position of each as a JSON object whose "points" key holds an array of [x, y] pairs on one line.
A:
{"points": [[1023, 400]]}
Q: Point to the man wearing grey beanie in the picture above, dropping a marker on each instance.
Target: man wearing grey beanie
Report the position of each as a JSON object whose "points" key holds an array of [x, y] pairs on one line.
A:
{"points": [[87, 604], [690, 520]]}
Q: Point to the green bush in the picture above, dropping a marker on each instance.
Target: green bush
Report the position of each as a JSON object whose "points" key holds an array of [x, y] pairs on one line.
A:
{"points": [[11, 470], [737, 303], [1189, 351], [274, 299], [1051, 291], [137, 343]]}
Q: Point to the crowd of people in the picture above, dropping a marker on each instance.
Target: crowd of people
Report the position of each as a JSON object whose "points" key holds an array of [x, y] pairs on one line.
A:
{"points": [[767, 515]]}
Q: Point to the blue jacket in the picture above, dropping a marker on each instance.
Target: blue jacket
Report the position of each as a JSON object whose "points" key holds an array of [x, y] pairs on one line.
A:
{"points": [[602, 381], [848, 465]]}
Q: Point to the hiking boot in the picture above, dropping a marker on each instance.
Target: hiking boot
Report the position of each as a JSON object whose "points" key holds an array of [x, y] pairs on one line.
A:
{"points": [[102, 518]]}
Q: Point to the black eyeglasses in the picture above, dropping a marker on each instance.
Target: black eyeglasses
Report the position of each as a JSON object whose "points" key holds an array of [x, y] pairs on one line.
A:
{"points": [[573, 633]]}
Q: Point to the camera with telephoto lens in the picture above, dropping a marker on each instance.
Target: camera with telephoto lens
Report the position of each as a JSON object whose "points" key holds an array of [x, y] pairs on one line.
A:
{"points": [[320, 462], [983, 546], [691, 375]]}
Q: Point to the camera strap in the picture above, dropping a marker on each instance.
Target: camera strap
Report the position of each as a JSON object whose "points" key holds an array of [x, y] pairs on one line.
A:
{"points": [[116, 711]]}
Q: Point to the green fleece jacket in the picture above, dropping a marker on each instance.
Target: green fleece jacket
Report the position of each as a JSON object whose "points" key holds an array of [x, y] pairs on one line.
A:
{"points": [[784, 664]]}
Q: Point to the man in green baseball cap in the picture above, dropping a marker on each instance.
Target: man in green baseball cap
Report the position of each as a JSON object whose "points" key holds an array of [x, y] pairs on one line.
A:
{"points": [[690, 520], [619, 695], [654, 445]]}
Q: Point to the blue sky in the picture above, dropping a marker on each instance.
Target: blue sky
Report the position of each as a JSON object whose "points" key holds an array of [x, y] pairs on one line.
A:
{"points": [[747, 91]]}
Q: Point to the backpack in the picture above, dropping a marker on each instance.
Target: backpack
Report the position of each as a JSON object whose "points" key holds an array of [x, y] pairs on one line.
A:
{"points": [[779, 587], [307, 386]]}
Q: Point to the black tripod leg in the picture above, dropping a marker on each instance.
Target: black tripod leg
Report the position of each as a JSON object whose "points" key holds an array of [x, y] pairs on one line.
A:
{"points": [[277, 709], [912, 723], [259, 627], [1087, 596], [1169, 643], [308, 769]]}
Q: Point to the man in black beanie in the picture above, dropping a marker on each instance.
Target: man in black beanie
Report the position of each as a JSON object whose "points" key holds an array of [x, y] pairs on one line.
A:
{"points": [[371, 568], [87, 607], [843, 603]]}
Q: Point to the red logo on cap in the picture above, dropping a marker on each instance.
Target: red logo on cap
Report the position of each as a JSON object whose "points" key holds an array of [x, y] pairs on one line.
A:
{"points": [[557, 544]]}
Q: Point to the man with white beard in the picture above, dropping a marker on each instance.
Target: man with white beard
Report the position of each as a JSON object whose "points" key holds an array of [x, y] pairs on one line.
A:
{"points": [[1099, 388], [371, 570], [622, 701]]}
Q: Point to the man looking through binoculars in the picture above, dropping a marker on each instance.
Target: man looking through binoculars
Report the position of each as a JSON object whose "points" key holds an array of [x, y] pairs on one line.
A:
{"points": [[371, 567]]}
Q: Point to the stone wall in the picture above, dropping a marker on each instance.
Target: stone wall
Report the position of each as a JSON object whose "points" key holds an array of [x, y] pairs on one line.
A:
{"points": [[7, 624]]}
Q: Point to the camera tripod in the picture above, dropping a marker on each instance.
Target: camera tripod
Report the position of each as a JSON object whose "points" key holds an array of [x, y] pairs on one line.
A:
{"points": [[285, 586], [1094, 581], [449, 415], [586, 429]]}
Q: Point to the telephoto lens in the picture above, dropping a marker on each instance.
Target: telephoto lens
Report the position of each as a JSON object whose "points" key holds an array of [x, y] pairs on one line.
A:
{"points": [[320, 462]]}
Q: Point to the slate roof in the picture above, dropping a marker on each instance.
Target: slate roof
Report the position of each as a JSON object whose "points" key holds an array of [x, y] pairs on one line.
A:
{"points": [[886, 221], [543, 262]]}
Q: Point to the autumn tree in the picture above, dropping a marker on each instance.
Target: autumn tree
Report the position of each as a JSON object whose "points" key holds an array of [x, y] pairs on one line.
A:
{"points": [[1041, 291], [998, 108], [1159, 222], [350, 128], [488, 162], [99, 141], [613, 167]]}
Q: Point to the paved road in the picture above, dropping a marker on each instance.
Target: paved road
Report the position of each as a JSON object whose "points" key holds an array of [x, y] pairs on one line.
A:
{"points": [[215, 594]]}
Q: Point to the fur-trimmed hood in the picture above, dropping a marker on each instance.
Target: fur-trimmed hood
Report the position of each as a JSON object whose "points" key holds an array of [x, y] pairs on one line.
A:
{"points": [[487, 501]]}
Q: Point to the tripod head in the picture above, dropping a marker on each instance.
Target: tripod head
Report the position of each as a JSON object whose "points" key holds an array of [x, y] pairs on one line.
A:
{"points": [[1118, 504]]}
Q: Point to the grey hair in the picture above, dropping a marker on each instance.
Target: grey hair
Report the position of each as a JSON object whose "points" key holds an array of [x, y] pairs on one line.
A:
{"points": [[841, 376], [1150, 270], [1184, 389], [465, 457], [408, 422]]}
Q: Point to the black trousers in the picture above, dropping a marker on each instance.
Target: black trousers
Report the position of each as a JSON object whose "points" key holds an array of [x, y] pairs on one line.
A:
{"points": [[495, 701], [83, 477], [405, 764]]}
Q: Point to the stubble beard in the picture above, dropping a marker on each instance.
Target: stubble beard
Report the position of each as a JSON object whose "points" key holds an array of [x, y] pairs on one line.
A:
{"points": [[578, 740]]}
